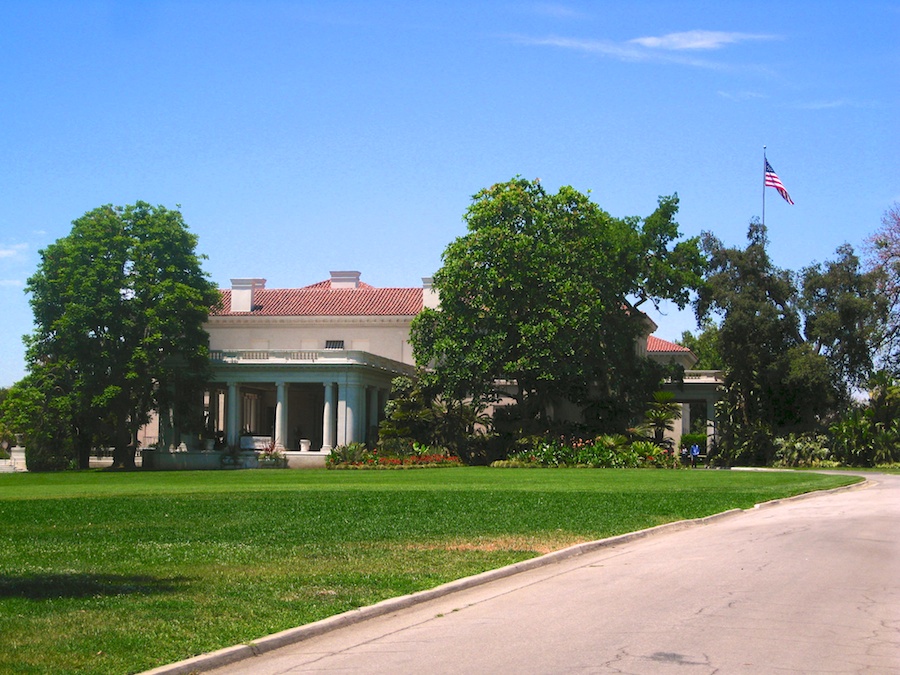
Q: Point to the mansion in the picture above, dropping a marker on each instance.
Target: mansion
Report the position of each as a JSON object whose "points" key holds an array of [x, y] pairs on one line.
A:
{"points": [[311, 368]]}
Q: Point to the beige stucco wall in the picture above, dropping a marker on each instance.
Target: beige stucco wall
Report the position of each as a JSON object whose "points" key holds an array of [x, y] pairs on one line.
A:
{"points": [[382, 336]]}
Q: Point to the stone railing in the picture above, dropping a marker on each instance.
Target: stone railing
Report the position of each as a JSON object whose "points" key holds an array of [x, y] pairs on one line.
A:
{"points": [[705, 375], [278, 355], [335, 356]]}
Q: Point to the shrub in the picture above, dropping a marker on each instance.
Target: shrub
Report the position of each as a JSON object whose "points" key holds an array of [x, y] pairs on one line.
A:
{"points": [[755, 445], [393, 454], [652, 455], [803, 450], [352, 453], [396, 447], [866, 436], [482, 449], [606, 451]]}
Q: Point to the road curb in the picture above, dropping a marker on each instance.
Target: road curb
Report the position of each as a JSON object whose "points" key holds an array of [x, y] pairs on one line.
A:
{"points": [[228, 655]]}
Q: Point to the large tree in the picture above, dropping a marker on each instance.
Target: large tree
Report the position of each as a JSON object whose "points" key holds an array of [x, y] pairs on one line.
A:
{"points": [[543, 292], [792, 346], [845, 314], [705, 346], [883, 258], [119, 306]]}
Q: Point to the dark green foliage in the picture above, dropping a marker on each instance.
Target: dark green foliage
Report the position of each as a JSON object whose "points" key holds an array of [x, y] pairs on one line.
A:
{"points": [[858, 440], [869, 435], [419, 414], [352, 453], [408, 414], [660, 417], [536, 294], [803, 450], [845, 313], [705, 346], [883, 260], [392, 454], [618, 396], [119, 306], [51, 440], [602, 452], [791, 346]]}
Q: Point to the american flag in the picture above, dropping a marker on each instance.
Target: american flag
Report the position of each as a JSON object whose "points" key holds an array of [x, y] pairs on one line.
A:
{"points": [[772, 180]]}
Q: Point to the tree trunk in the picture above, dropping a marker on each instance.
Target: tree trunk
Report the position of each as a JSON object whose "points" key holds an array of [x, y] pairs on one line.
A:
{"points": [[123, 456], [83, 451], [123, 453]]}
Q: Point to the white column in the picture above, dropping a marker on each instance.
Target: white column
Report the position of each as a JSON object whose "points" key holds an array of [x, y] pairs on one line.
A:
{"points": [[357, 417], [711, 427], [342, 405], [350, 414], [328, 417], [233, 419], [373, 413], [281, 415], [221, 411]]}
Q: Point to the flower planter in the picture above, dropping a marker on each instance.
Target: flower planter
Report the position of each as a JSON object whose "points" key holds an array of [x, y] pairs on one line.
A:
{"points": [[280, 463]]}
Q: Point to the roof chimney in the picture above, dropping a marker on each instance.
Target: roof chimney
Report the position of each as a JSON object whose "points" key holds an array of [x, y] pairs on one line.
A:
{"points": [[242, 292], [345, 279], [430, 297]]}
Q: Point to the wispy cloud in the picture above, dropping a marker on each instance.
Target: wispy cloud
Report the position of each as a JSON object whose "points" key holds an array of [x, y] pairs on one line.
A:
{"points": [[698, 40], [836, 103], [622, 51], [11, 283], [670, 48], [606, 47], [13, 251]]}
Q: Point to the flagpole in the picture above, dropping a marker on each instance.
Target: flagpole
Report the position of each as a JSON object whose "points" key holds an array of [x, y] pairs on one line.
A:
{"points": [[764, 187]]}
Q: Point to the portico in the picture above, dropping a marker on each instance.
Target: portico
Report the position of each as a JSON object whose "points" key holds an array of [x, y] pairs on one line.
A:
{"points": [[698, 387], [311, 400]]}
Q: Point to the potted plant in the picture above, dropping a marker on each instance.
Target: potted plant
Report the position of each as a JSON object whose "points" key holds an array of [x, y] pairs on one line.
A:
{"points": [[271, 457]]}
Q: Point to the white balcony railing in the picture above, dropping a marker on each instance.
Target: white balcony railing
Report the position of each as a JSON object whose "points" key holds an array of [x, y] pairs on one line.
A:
{"points": [[276, 355], [300, 356], [716, 376]]}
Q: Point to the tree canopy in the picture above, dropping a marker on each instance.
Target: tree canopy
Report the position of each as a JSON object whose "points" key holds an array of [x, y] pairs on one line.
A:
{"points": [[119, 306], [705, 346], [792, 345], [883, 258], [542, 293]]}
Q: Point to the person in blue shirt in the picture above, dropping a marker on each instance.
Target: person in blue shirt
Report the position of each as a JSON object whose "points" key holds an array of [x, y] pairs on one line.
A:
{"points": [[695, 454]]}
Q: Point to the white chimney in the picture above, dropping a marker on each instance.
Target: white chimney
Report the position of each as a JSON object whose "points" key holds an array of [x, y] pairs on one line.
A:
{"points": [[346, 279], [242, 292], [430, 297]]}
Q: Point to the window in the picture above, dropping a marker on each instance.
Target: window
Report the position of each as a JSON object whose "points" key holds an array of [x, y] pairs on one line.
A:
{"points": [[334, 344]]}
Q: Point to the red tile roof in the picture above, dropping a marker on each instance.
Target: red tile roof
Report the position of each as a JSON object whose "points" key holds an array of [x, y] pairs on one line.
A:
{"points": [[321, 300], [655, 344]]}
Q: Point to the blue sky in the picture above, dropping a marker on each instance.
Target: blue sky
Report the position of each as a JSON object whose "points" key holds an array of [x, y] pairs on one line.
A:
{"points": [[302, 137]]}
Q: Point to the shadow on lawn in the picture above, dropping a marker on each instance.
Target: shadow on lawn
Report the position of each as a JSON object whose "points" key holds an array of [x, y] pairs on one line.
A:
{"points": [[81, 585]]}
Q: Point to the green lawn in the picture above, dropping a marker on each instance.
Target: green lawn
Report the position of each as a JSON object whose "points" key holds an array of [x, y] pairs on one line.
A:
{"points": [[105, 572]]}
